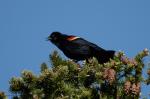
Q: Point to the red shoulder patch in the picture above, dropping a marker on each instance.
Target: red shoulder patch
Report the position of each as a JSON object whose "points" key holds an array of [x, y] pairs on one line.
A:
{"points": [[71, 38]]}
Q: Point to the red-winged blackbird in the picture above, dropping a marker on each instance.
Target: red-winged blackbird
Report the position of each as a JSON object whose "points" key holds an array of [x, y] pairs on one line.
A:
{"points": [[78, 48]]}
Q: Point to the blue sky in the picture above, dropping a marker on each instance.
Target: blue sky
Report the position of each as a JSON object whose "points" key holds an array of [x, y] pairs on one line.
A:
{"points": [[24, 26]]}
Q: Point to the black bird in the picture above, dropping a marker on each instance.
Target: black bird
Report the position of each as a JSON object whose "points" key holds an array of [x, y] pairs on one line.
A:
{"points": [[78, 48]]}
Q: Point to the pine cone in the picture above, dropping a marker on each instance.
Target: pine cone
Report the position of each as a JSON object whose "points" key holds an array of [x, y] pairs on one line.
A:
{"points": [[124, 60], [105, 73], [135, 89], [127, 86], [109, 75], [133, 62]]}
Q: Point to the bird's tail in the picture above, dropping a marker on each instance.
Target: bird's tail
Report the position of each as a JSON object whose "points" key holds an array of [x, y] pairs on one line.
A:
{"points": [[104, 56]]}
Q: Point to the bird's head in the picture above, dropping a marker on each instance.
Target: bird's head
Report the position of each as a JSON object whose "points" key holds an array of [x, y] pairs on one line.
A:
{"points": [[56, 37]]}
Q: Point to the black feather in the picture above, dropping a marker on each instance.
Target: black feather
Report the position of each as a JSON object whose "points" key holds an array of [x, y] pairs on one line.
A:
{"points": [[80, 49]]}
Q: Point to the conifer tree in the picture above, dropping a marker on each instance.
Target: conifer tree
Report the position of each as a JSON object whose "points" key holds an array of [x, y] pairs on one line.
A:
{"points": [[120, 78]]}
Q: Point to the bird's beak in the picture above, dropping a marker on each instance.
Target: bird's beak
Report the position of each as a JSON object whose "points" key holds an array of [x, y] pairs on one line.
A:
{"points": [[49, 38]]}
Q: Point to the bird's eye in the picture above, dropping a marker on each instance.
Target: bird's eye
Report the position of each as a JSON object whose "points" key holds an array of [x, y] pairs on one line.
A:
{"points": [[55, 38], [52, 36]]}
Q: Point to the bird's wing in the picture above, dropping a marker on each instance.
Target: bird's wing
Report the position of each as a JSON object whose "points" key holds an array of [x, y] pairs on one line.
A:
{"points": [[91, 49], [79, 47], [84, 42]]}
